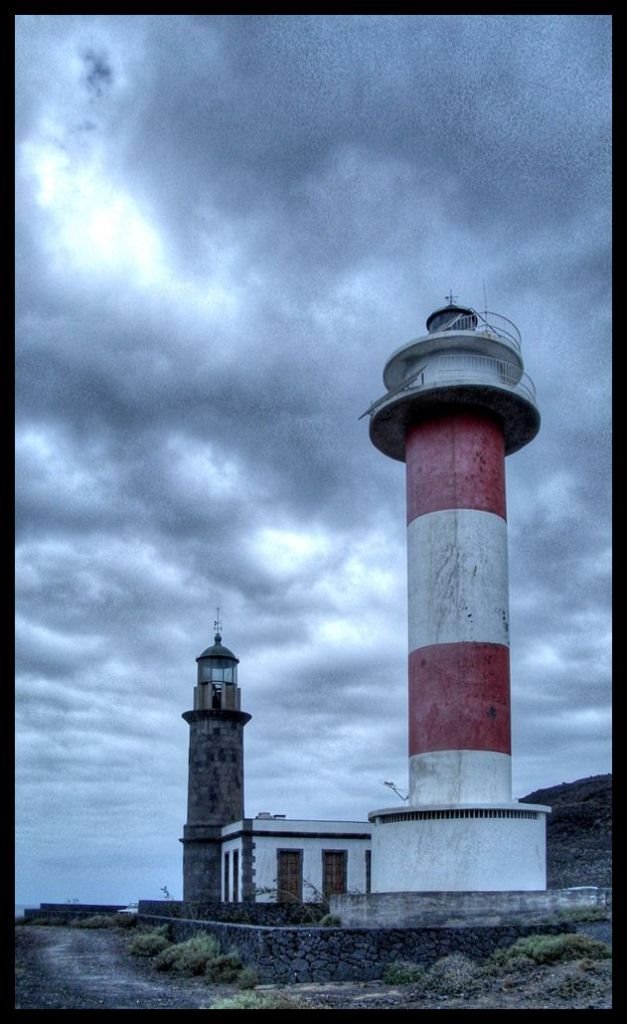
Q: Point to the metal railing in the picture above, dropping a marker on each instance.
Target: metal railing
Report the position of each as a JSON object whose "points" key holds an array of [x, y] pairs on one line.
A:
{"points": [[462, 368], [486, 323]]}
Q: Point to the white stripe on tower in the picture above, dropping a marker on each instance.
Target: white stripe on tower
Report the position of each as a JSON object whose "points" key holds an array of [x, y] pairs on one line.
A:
{"points": [[457, 578], [459, 705]]}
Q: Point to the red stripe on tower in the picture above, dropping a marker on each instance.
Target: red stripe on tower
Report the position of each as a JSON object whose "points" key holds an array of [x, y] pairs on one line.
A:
{"points": [[455, 460], [459, 698]]}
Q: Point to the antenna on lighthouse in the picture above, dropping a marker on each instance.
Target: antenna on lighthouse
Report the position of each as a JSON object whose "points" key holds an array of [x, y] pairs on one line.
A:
{"points": [[217, 625], [450, 297]]}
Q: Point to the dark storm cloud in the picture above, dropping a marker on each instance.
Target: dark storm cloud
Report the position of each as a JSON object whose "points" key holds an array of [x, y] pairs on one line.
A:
{"points": [[120, 404], [456, 102], [98, 73]]}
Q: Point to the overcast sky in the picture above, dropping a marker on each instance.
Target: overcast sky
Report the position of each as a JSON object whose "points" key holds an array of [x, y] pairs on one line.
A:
{"points": [[225, 225]]}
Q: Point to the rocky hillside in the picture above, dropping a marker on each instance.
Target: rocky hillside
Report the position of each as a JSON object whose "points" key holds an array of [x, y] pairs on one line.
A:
{"points": [[579, 831]]}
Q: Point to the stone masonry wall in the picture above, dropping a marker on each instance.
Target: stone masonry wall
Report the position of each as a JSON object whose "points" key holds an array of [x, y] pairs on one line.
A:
{"points": [[285, 955]]}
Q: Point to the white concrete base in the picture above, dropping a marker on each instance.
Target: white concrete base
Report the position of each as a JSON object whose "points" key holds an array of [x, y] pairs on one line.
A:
{"points": [[485, 848], [460, 777]]}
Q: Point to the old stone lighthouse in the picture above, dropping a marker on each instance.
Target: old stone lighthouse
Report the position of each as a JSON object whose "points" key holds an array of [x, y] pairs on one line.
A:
{"points": [[229, 857], [215, 792]]}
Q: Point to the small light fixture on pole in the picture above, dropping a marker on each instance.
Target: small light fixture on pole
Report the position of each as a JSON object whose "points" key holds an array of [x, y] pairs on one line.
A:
{"points": [[392, 785]]}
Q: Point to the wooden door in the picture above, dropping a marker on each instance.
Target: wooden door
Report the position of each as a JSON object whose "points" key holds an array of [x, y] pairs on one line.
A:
{"points": [[289, 875], [333, 871]]}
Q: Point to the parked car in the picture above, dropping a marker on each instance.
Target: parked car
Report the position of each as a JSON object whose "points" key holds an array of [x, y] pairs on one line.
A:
{"points": [[132, 908]]}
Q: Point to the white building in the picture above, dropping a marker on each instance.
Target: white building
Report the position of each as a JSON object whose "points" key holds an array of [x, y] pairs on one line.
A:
{"points": [[273, 859]]}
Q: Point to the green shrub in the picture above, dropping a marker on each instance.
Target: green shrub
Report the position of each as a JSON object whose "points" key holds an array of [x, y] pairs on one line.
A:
{"points": [[454, 974], [190, 957], [589, 965], [551, 949], [95, 921], [403, 972], [574, 987], [516, 962], [225, 967], [253, 1001], [125, 921], [48, 921], [330, 921], [247, 978], [150, 942], [575, 914]]}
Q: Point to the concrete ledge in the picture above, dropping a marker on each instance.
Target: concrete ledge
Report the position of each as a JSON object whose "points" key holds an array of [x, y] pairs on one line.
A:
{"points": [[455, 909], [70, 911]]}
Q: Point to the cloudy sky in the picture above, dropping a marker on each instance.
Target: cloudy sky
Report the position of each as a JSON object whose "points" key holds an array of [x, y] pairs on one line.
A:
{"points": [[225, 225]]}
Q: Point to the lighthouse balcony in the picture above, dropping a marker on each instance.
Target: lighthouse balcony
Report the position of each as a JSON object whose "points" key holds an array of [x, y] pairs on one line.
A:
{"points": [[445, 379], [451, 369], [444, 370]]}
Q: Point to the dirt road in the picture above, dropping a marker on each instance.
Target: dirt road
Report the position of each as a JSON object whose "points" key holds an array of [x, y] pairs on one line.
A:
{"points": [[74, 968]]}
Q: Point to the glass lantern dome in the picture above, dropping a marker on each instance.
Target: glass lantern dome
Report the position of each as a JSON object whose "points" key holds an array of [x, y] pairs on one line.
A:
{"points": [[217, 664], [217, 689]]}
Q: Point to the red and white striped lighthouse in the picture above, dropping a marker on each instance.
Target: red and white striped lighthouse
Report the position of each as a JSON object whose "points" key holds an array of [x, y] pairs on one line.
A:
{"points": [[457, 403]]}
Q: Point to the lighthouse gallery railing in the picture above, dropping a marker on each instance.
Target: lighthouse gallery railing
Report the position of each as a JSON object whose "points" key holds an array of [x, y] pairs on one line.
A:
{"points": [[462, 368]]}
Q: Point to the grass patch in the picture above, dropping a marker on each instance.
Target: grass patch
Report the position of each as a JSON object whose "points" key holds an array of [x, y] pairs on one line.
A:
{"points": [[403, 972], [202, 955], [152, 942], [575, 987], [47, 921], [226, 967], [190, 957], [95, 921], [581, 979], [454, 974], [576, 914], [247, 978], [125, 921], [330, 921], [253, 1001], [550, 949]]}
